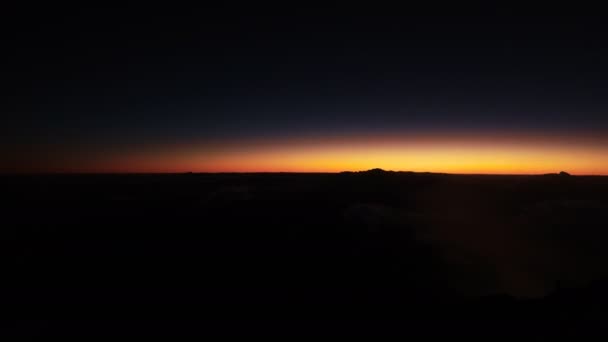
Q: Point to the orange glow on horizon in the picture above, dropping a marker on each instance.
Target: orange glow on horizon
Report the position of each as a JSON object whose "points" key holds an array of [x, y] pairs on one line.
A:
{"points": [[448, 154]]}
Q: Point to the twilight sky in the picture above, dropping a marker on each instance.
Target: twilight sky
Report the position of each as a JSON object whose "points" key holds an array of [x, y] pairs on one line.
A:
{"points": [[240, 89]]}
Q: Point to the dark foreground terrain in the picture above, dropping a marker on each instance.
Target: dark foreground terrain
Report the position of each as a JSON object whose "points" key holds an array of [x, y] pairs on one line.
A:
{"points": [[365, 254]]}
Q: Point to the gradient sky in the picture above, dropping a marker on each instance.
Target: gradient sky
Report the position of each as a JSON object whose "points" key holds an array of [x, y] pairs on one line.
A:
{"points": [[234, 89]]}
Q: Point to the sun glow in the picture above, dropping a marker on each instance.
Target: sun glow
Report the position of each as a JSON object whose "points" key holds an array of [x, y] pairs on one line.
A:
{"points": [[488, 154]]}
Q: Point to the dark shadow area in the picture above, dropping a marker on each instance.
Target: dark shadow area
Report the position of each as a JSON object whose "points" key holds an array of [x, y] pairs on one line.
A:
{"points": [[357, 253]]}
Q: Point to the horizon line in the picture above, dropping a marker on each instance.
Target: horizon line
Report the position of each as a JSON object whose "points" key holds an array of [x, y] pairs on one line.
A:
{"points": [[49, 173]]}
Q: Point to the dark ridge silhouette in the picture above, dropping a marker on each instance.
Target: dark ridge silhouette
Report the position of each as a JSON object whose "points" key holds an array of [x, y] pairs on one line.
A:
{"points": [[376, 171], [399, 253], [561, 174]]}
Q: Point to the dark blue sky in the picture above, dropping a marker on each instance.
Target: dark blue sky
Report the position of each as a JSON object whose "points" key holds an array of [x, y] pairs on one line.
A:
{"points": [[115, 78]]}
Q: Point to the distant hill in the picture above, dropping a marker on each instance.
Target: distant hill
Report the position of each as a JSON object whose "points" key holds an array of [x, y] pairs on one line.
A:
{"points": [[561, 174]]}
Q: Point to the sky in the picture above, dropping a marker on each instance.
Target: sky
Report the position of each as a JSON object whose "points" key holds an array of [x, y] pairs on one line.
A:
{"points": [[233, 89]]}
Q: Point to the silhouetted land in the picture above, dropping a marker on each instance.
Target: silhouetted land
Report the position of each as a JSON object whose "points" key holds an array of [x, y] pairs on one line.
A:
{"points": [[373, 253]]}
